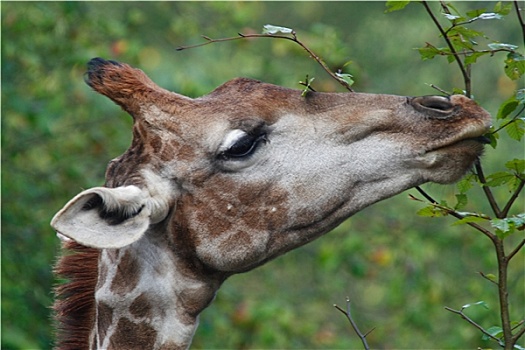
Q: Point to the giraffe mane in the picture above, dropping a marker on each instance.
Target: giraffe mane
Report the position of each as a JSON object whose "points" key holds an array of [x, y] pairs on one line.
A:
{"points": [[74, 308]]}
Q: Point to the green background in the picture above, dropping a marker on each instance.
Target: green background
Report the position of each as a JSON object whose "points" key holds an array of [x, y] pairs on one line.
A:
{"points": [[398, 269]]}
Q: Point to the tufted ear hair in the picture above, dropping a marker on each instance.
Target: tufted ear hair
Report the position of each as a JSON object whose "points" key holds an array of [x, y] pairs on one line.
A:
{"points": [[104, 217]]}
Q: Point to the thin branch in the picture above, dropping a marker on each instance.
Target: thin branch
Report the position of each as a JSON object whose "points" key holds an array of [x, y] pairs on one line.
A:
{"points": [[514, 119], [486, 189], [464, 72], [487, 278], [293, 38], [512, 199], [520, 19], [455, 214], [469, 320], [519, 324], [519, 334], [348, 315], [440, 89], [503, 292], [427, 196], [516, 250]]}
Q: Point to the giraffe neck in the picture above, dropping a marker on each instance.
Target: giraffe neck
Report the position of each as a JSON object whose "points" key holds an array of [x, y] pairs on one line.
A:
{"points": [[148, 298]]}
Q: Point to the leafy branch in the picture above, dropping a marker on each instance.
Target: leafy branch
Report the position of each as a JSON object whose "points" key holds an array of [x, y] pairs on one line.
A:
{"points": [[460, 48], [464, 70], [276, 32], [469, 320]]}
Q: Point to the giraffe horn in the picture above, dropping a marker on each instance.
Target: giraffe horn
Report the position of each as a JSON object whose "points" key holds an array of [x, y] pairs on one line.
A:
{"points": [[129, 87]]}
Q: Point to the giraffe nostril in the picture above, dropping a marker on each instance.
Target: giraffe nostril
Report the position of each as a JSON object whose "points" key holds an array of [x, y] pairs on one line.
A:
{"points": [[434, 106]]}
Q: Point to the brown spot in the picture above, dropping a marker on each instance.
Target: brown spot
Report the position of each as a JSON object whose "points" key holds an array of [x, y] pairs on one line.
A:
{"points": [[172, 346], [167, 154], [186, 153], [127, 276], [131, 336], [215, 225], [193, 301], [104, 320], [156, 143], [141, 307]]}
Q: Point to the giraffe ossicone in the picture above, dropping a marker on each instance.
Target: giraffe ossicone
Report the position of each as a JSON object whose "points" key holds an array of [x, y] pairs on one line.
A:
{"points": [[221, 184]]}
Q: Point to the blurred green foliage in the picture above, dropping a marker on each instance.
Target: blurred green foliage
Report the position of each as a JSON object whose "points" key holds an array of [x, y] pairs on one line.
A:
{"points": [[399, 270]]}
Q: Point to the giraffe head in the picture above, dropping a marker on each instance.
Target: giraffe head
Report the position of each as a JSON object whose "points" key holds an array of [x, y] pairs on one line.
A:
{"points": [[228, 181], [253, 170]]}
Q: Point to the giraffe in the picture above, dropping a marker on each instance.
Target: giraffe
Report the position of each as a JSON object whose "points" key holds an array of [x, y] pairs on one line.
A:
{"points": [[220, 184]]}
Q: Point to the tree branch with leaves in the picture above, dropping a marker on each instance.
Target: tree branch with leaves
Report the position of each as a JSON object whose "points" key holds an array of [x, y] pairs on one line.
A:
{"points": [[461, 48]]}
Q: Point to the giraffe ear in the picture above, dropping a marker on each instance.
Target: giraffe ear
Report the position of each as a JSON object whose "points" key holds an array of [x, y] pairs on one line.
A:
{"points": [[105, 217]]}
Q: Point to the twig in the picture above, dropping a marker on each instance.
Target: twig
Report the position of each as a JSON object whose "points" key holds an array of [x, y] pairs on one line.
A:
{"points": [[469, 320], [520, 333], [486, 190], [513, 198], [440, 89], [516, 250], [514, 119], [464, 72], [455, 214], [293, 38], [520, 19], [348, 315], [487, 278], [427, 197]]}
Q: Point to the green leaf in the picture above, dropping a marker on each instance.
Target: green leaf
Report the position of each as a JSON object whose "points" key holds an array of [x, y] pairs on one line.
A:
{"points": [[468, 219], [503, 227], [432, 211], [516, 129], [462, 201], [502, 9], [493, 137], [507, 107], [494, 331], [307, 84], [458, 91], [517, 165], [392, 6], [476, 13], [271, 29], [507, 226], [491, 277], [514, 65], [348, 78], [499, 178], [472, 58], [464, 33], [430, 51], [465, 184]]}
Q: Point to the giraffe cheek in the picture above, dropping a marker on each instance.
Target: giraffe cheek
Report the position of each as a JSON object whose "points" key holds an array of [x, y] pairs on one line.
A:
{"points": [[235, 251]]}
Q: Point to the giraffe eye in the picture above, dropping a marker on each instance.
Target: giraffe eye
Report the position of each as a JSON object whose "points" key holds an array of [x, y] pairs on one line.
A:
{"points": [[240, 144]]}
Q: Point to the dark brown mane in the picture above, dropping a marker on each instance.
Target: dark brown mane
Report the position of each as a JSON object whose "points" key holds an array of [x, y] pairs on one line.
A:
{"points": [[74, 307]]}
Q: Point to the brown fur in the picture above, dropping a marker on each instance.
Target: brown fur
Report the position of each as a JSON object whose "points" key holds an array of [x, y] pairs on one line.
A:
{"points": [[75, 299]]}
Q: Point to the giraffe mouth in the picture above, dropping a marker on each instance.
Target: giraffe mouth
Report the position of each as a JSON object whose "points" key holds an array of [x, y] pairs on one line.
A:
{"points": [[475, 134]]}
